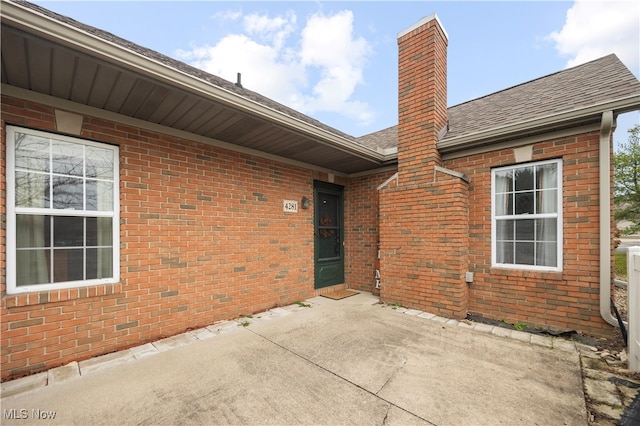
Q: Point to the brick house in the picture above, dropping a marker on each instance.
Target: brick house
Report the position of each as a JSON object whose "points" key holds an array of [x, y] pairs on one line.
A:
{"points": [[142, 197]]}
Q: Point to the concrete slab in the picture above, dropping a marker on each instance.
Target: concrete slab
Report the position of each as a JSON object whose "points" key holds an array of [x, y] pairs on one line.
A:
{"points": [[522, 336], [203, 334], [108, 361], [297, 307], [501, 332], [426, 315], [266, 316], [144, 350], [280, 311], [398, 416], [341, 362], [597, 374], [628, 394], [223, 327], [586, 349], [465, 324], [614, 412], [539, 340], [65, 372], [174, 342], [602, 391], [485, 328], [318, 300], [23, 385], [564, 345]]}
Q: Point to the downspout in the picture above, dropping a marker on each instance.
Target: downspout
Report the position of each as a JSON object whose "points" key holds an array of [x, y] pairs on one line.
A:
{"points": [[606, 128]]}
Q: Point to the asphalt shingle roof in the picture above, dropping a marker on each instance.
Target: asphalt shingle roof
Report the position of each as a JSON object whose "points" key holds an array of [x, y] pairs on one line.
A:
{"points": [[386, 138], [601, 80], [588, 84], [187, 69]]}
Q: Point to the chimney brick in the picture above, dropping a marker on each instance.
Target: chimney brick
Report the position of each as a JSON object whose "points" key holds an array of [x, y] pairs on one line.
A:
{"points": [[424, 220], [422, 98]]}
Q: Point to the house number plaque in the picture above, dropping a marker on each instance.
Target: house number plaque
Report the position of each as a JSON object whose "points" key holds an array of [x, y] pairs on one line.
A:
{"points": [[290, 206]]}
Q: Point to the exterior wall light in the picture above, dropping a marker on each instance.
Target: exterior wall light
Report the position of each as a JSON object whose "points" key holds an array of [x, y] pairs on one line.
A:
{"points": [[305, 203]]}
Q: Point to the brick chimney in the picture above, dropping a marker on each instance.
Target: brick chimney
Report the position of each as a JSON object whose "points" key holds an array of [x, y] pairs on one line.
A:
{"points": [[422, 98], [424, 218]]}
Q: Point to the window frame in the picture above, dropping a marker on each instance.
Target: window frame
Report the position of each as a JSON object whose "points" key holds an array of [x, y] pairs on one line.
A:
{"points": [[13, 212], [558, 215]]}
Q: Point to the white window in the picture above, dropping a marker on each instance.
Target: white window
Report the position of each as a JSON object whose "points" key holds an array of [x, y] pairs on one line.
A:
{"points": [[62, 212], [526, 214]]}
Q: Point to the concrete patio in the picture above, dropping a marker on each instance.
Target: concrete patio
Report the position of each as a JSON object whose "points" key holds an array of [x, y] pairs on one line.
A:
{"points": [[349, 361]]}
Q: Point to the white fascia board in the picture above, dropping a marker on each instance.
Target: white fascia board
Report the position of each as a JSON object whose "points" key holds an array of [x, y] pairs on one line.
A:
{"points": [[621, 105], [388, 153], [52, 29]]}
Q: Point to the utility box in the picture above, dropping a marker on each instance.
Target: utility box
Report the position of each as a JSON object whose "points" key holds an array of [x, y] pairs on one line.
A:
{"points": [[633, 307]]}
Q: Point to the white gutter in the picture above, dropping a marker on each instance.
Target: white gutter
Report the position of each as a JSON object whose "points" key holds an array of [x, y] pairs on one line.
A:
{"points": [[58, 31], [606, 129]]}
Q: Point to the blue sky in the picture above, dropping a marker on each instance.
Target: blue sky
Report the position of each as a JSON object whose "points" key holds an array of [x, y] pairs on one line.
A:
{"points": [[337, 61]]}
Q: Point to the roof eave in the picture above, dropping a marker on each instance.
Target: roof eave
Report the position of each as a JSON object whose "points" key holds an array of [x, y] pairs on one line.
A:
{"points": [[575, 117], [47, 27]]}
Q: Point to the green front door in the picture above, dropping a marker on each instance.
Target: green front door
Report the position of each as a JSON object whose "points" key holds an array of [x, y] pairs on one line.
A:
{"points": [[329, 234]]}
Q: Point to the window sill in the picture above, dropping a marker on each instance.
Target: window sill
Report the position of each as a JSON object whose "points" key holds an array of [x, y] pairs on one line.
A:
{"points": [[61, 295]]}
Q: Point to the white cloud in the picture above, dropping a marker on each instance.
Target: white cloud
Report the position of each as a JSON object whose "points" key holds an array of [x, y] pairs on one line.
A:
{"points": [[274, 31], [227, 15], [328, 43], [261, 66], [593, 29], [317, 70]]}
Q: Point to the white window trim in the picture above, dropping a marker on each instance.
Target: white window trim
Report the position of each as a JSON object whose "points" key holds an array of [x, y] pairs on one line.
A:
{"points": [[12, 288], [559, 228]]}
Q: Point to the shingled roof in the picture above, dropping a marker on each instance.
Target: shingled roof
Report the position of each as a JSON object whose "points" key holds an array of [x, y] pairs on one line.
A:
{"points": [[187, 69], [385, 138], [586, 85], [582, 92]]}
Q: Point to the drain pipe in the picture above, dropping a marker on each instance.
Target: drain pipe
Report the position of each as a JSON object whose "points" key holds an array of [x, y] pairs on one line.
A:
{"points": [[606, 128]]}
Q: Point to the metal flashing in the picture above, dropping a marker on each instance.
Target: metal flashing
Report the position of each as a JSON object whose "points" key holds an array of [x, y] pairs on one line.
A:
{"points": [[421, 22]]}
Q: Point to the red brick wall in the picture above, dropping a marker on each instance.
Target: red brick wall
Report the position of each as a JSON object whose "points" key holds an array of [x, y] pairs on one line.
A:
{"points": [[361, 228], [424, 239], [433, 229], [203, 238], [567, 299], [424, 226]]}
